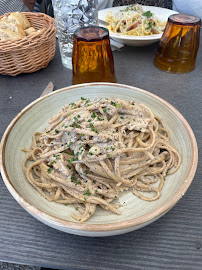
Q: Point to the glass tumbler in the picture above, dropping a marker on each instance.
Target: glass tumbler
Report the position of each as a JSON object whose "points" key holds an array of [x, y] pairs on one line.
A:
{"points": [[179, 44], [92, 57], [69, 16]]}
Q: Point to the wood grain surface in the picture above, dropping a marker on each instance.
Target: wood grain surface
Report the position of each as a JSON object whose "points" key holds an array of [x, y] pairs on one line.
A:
{"points": [[172, 242]]}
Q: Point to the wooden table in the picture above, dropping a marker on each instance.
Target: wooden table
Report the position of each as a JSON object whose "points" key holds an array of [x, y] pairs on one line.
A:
{"points": [[172, 242]]}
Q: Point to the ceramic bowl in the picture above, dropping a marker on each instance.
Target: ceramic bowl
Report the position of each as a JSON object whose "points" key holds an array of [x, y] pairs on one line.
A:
{"points": [[135, 212], [161, 13]]}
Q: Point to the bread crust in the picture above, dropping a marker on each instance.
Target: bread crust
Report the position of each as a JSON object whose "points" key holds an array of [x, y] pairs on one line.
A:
{"points": [[7, 34], [5, 24], [15, 26], [30, 31], [20, 19]]}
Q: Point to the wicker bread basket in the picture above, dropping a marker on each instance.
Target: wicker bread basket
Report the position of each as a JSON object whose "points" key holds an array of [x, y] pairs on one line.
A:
{"points": [[30, 53]]}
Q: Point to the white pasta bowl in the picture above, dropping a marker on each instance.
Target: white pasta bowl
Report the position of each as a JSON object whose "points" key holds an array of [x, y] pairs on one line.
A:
{"points": [[136, 213], [161, 13]]}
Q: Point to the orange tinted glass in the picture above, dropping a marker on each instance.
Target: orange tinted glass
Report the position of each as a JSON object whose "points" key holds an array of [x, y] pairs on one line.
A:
{"points": [[92, 57], [179, 44]]}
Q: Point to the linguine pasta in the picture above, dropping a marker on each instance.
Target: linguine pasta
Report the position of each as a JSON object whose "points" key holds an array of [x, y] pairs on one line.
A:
{"points": [[134, 21], [93, 151]]}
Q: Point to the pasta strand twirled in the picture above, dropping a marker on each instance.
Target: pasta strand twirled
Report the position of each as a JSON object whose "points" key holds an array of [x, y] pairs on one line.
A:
{"points": [[133, 20], [93, 151]]}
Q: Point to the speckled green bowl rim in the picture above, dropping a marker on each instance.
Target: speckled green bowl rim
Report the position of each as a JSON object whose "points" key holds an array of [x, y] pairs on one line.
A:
{"points": [[145, 219]]}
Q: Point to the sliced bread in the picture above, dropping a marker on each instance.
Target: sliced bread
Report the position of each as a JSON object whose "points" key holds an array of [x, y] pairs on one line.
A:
{"points": [[30, 31], [5, 24], [20, 19], [7, 34], [25, 20]]}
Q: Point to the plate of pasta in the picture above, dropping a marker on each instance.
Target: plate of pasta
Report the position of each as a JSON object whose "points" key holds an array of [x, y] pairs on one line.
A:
{"points": [[135, 25], [98, 159]]}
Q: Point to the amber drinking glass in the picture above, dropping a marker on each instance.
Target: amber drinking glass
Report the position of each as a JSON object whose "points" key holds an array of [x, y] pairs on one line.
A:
{"points": [[92, 58], [179, 44]]}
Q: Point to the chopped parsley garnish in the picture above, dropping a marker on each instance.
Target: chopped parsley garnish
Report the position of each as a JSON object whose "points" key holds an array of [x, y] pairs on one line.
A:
{"points": [[87, 173], [65, 204], [75, 181], [108, 139], [95, 190], [121, 117], [150, 25], [97, 131], [100, 119], [147, 14], [93, 115], [72, 159], [89, 120], [56, 156], [49, 170], [108, 155], [90, 153], [104, 110], [118, 105], [87, 101], [87, 192], [76, 125], [82, 134], [115, 196], [78, 115], [52, 163], [75, 118], [113, 103], [69, 144], [92, 127], [83, 98], [56, 131], [47, 131], [112, 148]]}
